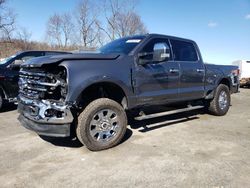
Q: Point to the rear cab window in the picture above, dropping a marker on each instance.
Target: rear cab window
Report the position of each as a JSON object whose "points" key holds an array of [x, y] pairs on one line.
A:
{"points": [[184, 51]]}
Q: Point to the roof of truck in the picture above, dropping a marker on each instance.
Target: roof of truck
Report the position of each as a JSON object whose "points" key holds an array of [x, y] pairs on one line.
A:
{"points": [[157, 35], [168, 36]]}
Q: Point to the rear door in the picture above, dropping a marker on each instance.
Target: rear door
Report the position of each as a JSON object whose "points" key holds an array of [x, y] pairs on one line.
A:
{"points": [[192, 70], [157, 83]]}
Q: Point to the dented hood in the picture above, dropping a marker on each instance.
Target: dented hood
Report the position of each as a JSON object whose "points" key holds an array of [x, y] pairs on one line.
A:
{"points": [[40, 61]]}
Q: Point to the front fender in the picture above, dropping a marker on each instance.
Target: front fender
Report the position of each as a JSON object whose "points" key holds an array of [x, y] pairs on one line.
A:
{"points": [[77, 89], [81, 75]]}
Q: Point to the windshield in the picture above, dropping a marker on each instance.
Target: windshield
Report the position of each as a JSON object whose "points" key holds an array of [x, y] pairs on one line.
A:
{"points": [[6, 59], [123, 45]]}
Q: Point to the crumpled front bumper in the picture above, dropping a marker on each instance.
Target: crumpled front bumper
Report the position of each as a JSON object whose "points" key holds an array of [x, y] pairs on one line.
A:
{"points": [[34, 116]]}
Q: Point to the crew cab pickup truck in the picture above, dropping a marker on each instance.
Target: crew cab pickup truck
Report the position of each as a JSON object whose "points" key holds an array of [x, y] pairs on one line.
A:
{"points": [[89, 94], [9, 71]]}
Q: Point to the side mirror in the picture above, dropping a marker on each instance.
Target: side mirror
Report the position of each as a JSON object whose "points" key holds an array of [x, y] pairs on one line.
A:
{"points": [[161, 52]]}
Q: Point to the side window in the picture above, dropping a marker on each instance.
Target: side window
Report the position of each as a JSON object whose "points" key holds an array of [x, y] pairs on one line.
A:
{"points": [[184, 51], [154, 44]]}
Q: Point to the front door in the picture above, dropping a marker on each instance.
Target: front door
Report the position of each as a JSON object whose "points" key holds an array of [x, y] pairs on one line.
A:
{"points": [[157, 82]]}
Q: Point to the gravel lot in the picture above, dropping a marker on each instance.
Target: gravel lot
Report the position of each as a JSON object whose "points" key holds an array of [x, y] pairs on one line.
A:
{"points": [[174, 151]]}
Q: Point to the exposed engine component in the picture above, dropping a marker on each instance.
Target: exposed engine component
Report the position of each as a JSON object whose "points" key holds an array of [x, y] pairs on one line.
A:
{"points": [[46, 85], [42, 95], [45, 111]]}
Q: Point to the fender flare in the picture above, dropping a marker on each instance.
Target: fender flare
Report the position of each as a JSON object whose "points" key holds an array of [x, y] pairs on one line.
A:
{"points": [[210, 95], [95, 80]]}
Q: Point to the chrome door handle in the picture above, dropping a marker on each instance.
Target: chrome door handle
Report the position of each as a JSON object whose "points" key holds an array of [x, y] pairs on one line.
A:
{"points": [[200, 70], [173, 70]]}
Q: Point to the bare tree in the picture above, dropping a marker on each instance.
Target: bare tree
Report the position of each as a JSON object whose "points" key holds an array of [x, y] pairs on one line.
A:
{"points": [[67, 28], [53, 32], [129, 23], [121, 19], [24, 36], [60, 29], [112, 9], [86, 16], [101, 36], [7, 21]]}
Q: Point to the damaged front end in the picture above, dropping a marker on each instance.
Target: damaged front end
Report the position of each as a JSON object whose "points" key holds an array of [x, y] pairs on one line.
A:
{"points": [[42, 100]]}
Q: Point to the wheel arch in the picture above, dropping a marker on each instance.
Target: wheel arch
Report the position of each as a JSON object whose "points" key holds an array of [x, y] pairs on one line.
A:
{"points": [[102, 89], [210, 93], [226, 82]]}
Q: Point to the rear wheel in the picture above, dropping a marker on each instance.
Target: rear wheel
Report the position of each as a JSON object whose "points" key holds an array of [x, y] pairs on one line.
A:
{"points": [[220, 104], [102, 124]]}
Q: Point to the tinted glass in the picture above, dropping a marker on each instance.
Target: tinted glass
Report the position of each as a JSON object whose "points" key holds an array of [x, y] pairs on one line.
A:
{"points": [[184, 51], [149, 48], [123, 45]]}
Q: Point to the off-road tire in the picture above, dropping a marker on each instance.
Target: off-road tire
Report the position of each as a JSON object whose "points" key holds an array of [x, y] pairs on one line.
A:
{"points": [[214, 106], [84, 119]]}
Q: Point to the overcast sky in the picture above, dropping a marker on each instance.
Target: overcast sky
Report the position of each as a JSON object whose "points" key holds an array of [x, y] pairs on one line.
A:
{"points": [[220, 27]]}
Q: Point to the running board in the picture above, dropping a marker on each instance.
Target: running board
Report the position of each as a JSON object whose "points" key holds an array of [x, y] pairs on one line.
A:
{"points": [[150, 116]]}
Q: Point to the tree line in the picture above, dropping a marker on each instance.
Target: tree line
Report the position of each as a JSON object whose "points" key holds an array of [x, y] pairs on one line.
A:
{"points": [[89, 25]]}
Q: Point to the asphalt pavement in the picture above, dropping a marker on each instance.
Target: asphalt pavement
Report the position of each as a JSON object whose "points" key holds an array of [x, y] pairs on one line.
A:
{"points": [[185, 150]]}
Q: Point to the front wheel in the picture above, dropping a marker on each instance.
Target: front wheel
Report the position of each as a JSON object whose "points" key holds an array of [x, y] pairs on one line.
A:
{"points": [[102, 124], [220, 104]]}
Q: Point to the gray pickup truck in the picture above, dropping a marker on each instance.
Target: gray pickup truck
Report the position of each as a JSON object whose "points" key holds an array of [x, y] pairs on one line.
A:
{"points": [[89, 94]]}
